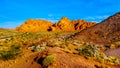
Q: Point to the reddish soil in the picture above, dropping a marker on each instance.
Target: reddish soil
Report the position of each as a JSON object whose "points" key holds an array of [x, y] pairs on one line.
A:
{"points": [[105, 32], [113, 52]]}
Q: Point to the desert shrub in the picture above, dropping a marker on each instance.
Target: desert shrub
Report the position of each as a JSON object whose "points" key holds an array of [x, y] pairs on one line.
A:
{"points": [[102, 58], [93, 52], [112, 60], [39, 48], [85, 51], [57, 33], [48, 60], [88, 50], [112, 46], [11, 53], [64, 42]]}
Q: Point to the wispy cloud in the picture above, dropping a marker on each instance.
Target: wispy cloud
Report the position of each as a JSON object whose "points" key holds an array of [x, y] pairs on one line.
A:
{"points": [[96, 18]]}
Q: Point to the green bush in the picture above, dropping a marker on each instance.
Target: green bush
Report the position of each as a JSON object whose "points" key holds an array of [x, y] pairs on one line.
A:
{"points": [[48, 60], [93, 52], [11, 53], [88, 50]]}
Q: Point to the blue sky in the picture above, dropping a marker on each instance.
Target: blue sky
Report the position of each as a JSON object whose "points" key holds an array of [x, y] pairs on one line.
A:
{"points": [[15, 12]]}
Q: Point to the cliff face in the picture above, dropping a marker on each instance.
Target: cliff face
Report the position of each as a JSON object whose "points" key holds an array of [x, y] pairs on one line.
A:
{"points": [[63, 25]]}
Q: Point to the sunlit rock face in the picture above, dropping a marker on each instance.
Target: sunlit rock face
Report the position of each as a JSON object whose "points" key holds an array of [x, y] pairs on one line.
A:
{"points": [[34, 26], [64, 24]]}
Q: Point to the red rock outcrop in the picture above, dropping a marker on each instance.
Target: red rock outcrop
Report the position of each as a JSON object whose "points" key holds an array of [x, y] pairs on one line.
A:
{"points": [[82, 24], [63, 25], [34, 26]]}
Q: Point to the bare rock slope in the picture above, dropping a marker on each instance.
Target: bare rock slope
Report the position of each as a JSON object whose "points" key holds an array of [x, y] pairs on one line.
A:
{"points": [[106, 32]]}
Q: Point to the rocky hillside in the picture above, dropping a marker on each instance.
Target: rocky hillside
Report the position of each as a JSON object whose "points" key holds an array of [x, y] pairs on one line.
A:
{"points": [[63, 25], [34, 26], [62, 49], [107, 31]]}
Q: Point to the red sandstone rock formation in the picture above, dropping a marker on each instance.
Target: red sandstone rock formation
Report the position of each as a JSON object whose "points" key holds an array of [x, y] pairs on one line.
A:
{"points": [[63, 25]]}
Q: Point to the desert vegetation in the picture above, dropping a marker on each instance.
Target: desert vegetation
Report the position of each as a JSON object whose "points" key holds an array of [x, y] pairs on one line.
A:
{"points": [[13, 45], [48, 60], [65, 44]]}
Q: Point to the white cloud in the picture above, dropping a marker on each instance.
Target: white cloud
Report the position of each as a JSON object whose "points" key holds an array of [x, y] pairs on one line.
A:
{"points": [[96, 17], [93, 18], [102, 17], [96, 21]]}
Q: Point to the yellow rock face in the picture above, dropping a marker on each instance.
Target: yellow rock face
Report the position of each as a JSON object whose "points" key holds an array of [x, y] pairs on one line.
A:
{"points": [[34, 26], [63, 25]]}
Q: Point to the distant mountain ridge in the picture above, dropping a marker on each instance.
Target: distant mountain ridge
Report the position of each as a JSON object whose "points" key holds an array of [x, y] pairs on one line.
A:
{"points": [[62, 25], [107, 31]]}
